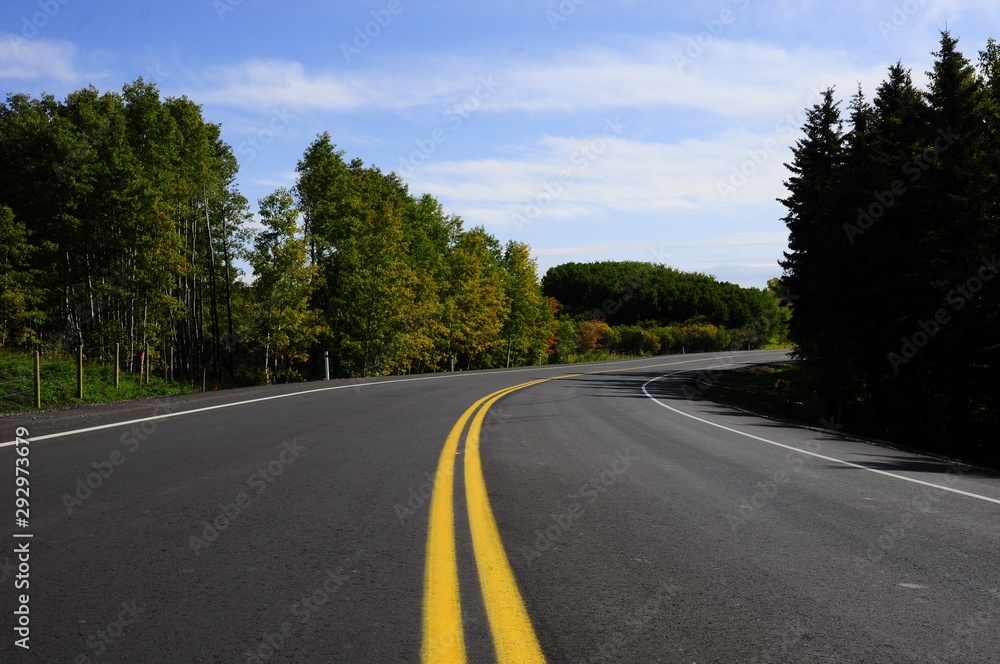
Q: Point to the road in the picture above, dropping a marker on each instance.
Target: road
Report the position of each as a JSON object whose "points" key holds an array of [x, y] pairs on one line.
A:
{"points": [[635, 521]]}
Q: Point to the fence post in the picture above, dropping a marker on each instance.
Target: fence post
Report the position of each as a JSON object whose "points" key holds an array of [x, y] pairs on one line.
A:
{"points": [[38, 380], [117, 364], [79, 372], [149, 362], [204, 378], [170, 370]]}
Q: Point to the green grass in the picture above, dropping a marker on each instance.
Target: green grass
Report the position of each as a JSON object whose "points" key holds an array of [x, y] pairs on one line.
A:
{"points": [[781, 390], [777, 389], [59, 384]]}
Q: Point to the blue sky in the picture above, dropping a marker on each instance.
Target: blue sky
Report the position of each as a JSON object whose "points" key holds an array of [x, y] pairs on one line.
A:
{"points": [[591, 130]]}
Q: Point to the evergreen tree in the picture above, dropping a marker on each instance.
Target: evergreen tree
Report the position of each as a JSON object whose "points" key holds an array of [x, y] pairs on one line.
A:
{"points": [[816, 213]]}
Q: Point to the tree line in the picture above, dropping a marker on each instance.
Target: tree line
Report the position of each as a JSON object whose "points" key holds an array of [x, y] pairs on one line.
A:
{"points": [[121, 223], [635, 308], [891, 269]]}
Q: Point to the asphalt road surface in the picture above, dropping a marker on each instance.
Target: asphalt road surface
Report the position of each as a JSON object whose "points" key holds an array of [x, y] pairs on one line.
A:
{"points": [[607, 513]]}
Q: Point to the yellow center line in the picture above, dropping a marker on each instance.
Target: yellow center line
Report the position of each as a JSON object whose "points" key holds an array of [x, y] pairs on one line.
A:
{"points": [[443, 632], [443, 638], [513, 635]]}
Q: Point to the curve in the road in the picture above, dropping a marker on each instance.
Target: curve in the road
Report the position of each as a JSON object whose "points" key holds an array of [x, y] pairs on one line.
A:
{"points": [[851, 464], [443, 639]]}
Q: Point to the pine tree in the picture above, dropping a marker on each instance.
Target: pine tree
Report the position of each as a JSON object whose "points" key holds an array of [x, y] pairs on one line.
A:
{"points": [[815, 219]]}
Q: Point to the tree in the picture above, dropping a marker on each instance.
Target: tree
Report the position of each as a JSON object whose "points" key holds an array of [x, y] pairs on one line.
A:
{"points": [[528, 323], [815, 219], [473, 302], [885, 320], [20, 297], [281, 321]]}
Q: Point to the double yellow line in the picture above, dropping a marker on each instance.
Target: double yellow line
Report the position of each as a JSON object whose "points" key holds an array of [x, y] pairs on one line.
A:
{"points": [[443, 632], [514, 638]]}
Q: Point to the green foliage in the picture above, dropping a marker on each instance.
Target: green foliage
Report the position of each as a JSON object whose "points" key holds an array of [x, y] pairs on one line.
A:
{"points": [[651, 309], [128, 216], [628, 293], [280, 323], [889, 222], [20, 296], [402, 286]]}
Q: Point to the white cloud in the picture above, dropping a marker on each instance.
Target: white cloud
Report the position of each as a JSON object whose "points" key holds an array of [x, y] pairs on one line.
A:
{"points": [[272, 83], [34, 59], [268, 83], [728, 79], [735, 241], [569, 178]]}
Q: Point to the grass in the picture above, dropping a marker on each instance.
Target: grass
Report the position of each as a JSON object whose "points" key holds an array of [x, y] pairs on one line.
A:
{"points": [[776, 389], [59, 384], [782, 391]]}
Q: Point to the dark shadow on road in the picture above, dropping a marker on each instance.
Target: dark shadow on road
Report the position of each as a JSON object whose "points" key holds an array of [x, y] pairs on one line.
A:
{"points": [[894, 464]]}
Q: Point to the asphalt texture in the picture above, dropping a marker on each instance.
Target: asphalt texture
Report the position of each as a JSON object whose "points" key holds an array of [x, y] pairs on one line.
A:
{"points": [[294, 529]]}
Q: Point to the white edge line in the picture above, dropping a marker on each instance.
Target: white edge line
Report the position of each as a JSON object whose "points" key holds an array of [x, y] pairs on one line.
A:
{"points": [[164, 416], [807, 452]]}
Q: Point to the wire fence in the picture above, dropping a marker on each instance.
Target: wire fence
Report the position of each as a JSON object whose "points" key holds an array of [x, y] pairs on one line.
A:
{"points": [[44, 379]]}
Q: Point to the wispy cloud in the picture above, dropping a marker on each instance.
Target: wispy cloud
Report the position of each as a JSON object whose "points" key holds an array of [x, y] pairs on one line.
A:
{"points": [[36, 59], [738, 240], [629, 176], [731, 78]]}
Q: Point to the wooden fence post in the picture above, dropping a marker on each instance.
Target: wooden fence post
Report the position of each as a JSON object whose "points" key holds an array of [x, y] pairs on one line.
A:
{"points": [[79, 372], [38, 380]]}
